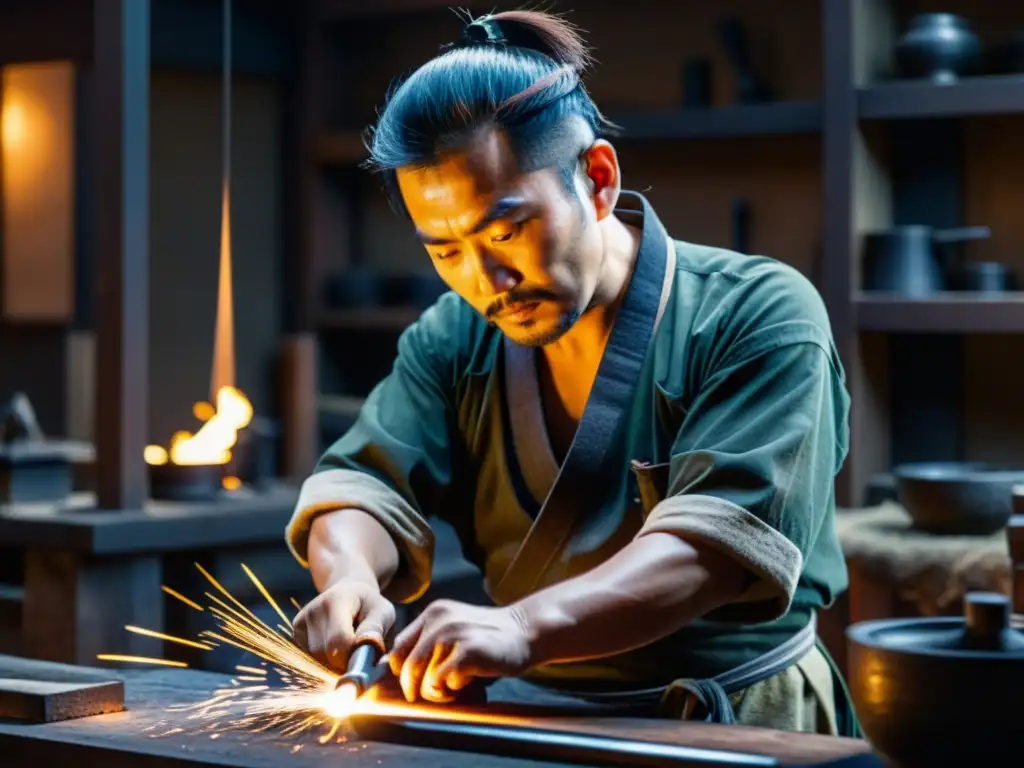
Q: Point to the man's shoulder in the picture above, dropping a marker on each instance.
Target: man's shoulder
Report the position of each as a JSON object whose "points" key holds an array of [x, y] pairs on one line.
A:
{"points": [[736, 295]]}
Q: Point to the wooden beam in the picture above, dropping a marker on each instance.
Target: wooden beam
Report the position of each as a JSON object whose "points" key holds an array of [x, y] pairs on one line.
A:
{"points": [[122, 66]]}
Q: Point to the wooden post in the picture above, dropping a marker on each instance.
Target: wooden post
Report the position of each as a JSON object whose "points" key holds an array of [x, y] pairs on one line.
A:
{"points": [[298, 359], [121, 136]]}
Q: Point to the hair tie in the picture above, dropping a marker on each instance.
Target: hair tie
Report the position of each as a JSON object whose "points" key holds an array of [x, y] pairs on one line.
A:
{"points": [[482, 31]]}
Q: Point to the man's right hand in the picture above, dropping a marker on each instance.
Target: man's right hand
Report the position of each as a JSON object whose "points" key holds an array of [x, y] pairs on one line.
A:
{"points": [[349, 611]]}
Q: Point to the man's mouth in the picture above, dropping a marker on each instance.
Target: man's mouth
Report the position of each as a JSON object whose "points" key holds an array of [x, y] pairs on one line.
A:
{"points": [[520, 312]]}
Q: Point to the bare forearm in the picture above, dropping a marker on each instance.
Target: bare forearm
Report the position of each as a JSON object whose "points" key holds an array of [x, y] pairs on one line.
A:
{"points": [[350, 544], [648, 590]]}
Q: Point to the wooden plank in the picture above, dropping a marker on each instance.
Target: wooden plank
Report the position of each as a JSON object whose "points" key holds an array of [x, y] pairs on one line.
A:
{"points": [[121, 88], [148, 736], [243, 518], [45, 692]]}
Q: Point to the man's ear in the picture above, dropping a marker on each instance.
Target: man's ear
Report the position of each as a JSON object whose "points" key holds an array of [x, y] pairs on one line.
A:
{"points": [[601, 169]]}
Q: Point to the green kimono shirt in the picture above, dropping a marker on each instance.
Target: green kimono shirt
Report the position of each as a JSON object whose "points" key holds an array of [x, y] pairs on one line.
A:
{"points": [[737, 430]]}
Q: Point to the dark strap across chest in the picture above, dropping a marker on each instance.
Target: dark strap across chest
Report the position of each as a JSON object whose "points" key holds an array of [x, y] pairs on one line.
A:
{"points": [[583, 479]]}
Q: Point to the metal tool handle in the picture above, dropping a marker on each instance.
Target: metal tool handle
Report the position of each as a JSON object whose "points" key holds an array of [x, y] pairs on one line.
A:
{"points": [[364, 668]]}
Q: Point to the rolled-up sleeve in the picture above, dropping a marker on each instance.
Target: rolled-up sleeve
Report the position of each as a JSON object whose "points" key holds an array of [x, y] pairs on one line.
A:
{"points": [[395, 463], [753, 466]]}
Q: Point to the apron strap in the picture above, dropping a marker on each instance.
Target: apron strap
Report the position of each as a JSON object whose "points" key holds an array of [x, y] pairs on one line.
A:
{"points": [[708, 699]]}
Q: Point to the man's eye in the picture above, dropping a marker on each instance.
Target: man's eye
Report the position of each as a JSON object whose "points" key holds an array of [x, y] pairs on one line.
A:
{"points": [[506, 236], [446, 255]]}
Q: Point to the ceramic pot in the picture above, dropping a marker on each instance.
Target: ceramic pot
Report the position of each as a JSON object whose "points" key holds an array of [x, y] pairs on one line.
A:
{"points": [[941, 692], [938, 46], [957, 498]]}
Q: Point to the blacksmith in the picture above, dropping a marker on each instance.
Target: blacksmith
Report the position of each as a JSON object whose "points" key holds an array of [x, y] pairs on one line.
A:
{"points": [[635, 437]]}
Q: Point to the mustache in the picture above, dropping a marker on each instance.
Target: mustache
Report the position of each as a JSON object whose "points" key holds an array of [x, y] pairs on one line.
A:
{"points": [[518, 296]]}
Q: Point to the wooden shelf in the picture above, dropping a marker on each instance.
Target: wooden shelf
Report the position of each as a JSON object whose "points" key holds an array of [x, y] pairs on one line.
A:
{"points": [[946, 313], [777, 118], [988, 95], [377, 319]]}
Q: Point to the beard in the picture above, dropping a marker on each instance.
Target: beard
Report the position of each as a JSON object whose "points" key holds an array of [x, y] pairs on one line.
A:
{"points": [[568, 316]]}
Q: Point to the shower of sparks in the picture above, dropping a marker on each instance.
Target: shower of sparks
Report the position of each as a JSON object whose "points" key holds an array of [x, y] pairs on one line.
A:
{"points": [[291, 693]]}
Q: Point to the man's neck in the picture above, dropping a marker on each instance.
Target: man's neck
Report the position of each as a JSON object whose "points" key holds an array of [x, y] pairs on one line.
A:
{"points": [[583, 345]]}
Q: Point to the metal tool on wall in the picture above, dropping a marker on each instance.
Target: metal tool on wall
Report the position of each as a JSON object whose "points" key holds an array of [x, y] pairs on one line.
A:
{"points": [[750, 89], [913, 260]]}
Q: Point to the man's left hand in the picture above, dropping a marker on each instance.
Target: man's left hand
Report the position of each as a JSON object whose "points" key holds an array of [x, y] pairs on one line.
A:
{"points": [[451, 643]]}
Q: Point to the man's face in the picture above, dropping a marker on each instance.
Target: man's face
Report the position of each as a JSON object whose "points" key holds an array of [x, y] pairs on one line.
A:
{"points": [[519, 248]]}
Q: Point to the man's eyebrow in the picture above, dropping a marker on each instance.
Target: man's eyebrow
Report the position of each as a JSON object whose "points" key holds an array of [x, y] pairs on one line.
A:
{"points": [[501, 208]]}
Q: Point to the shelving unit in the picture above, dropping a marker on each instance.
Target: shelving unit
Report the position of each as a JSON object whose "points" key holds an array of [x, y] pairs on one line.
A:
{"points": [[891, 153], [895, 155]]}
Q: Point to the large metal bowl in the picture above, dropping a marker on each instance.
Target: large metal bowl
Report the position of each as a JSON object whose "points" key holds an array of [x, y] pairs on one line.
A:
{"points": [[965, 498], [941, 692]]}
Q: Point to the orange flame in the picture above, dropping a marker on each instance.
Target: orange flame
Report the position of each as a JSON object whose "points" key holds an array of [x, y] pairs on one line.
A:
{"points": [[212, 442]]}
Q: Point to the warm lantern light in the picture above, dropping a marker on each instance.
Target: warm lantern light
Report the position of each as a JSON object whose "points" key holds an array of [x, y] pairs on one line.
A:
{"points": [[15, 122], [37, 146]]}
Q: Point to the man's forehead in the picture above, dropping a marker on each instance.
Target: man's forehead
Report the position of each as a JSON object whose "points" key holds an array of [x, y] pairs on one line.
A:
{"points": [[481, 167]]}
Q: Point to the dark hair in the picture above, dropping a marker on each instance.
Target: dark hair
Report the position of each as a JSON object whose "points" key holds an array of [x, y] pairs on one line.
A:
{"points": [[517, 71]]}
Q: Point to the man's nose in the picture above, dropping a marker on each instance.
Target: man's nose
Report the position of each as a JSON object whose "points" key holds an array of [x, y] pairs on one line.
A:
{"points": [[493, 275]]}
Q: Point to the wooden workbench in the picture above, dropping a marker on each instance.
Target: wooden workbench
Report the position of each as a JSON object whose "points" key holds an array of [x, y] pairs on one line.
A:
{"points": [[139, 737], [90, 572]]}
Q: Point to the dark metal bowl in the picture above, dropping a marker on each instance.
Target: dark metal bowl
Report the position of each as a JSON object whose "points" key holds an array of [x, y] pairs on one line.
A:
{"points": [[941, 692], [968, 498], [185, 482]]}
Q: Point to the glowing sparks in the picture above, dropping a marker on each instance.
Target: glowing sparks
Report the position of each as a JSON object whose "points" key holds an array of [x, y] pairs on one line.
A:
{"points": [[291, 694], [266, 594], [168, 638], [182, 598], [140, 660]]}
